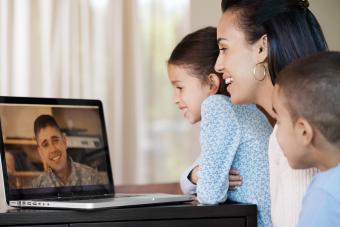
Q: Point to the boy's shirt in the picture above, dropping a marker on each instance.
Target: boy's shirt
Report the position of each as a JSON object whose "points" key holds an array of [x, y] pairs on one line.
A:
{"points": [[321, 204]]}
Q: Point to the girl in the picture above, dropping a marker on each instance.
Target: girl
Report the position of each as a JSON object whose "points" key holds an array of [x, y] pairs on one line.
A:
{"points": [[257, 39], [231, 136]]}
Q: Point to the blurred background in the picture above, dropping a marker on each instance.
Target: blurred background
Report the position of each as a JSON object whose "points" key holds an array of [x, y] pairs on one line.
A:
{"points": [[116, 51]]}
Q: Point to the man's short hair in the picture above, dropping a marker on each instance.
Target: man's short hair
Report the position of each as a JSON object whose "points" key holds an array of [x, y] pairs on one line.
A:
{"points": [[311, 89], [43, 121]]}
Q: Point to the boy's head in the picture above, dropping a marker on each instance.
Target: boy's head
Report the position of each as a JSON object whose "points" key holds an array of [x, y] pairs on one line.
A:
{"points": [[307, 102], [192, 74]]}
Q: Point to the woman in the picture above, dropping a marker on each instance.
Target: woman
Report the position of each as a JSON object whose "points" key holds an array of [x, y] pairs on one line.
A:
{"points": [[257, 38]]}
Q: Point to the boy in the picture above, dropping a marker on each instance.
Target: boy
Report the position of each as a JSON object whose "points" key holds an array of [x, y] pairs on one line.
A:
{"points": [[307, 103]]}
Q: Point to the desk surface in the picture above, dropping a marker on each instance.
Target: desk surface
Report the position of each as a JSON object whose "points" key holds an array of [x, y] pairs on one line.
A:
{"points": [[175, 215], [187, 211]]}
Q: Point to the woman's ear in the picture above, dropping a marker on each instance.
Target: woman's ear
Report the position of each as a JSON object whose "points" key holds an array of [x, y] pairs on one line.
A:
{"points": [[214, 83], [261, 48]]}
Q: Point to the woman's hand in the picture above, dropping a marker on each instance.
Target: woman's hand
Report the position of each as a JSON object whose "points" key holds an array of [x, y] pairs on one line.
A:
{"points": [[235, 180]]}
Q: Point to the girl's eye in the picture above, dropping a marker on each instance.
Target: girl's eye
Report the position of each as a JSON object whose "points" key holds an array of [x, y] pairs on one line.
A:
{"points": [[179, 88]]}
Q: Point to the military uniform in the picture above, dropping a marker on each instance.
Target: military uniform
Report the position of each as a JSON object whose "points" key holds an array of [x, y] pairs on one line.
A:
{"points": [[80, 175]]}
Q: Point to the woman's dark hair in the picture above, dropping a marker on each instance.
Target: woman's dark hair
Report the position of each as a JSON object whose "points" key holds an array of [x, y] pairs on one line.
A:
{"points": [[198, 52], [291, 28]]}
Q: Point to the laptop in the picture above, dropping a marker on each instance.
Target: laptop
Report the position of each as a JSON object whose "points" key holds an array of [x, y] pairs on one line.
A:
{"points": [[55, 154]]}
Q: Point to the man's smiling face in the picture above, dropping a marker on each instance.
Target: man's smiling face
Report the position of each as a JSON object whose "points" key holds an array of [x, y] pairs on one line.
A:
{"points": [[52, 148]]}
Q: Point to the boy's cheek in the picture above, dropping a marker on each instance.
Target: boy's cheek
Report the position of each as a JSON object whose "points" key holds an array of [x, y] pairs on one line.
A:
{"points": [[280, 140]]}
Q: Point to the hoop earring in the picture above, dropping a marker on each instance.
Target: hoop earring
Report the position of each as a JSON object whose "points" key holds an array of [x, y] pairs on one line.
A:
{"points": [[264, 73]]}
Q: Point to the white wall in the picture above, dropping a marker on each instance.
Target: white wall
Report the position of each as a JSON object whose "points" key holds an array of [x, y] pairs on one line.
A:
{"points": [[327, 13], [207, 13], [204, 13]]}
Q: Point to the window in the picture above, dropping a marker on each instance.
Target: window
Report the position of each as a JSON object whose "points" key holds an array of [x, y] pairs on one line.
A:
{"points": [[165, 138]]}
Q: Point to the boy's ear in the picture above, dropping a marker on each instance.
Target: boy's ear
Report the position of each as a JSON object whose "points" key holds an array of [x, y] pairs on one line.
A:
{"points": [[214, 83], [262, 49], [304, 131]]}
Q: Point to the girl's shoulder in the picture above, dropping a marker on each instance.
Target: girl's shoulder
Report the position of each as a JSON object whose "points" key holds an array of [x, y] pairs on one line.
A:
{"points": [[225, 100], [214, 101], [252, 120], [217, 105], [246, 113], [222, 102]]}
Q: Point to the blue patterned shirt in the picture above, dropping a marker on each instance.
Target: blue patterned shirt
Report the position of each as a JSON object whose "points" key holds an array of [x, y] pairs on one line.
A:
{"points": [[234, 136]]}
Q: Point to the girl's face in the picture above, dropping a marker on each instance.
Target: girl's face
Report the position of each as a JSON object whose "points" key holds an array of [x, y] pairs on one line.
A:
{"points": [[237, 59], [189, 92]]}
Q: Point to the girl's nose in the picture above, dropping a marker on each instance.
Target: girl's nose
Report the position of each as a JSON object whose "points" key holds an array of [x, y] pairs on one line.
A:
{"points": [[177, 96]]}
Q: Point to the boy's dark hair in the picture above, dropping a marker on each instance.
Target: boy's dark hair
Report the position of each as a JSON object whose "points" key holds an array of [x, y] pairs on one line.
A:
{"points": [[43, 121], [198, 52], [311, 89], [291, 28]]}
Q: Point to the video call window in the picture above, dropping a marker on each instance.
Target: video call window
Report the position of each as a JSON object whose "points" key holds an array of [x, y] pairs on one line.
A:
{"points": [[72, 142]]}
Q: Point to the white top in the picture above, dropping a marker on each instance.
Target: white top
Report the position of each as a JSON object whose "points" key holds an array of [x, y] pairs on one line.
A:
{"points": [[287, 186]]}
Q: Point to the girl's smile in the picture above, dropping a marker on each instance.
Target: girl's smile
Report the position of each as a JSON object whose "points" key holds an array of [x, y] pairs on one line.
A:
{"points": [[189, 92]]}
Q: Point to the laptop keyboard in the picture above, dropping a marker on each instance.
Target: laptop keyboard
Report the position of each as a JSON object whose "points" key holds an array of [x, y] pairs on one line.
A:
{"points": [[68, 198]]}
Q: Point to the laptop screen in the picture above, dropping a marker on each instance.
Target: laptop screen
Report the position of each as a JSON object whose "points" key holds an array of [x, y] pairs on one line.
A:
{"points": [[54, 148]]}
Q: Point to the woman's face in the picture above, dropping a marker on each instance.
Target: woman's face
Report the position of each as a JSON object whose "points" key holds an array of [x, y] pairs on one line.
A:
{"points": [[237, 59]]}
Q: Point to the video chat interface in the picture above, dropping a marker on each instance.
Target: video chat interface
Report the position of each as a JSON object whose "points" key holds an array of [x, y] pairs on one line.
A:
{"points": [[81, 127]]}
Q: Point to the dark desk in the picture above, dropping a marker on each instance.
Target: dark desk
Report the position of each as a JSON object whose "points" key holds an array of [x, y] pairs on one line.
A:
{"points": [[233, 215]]}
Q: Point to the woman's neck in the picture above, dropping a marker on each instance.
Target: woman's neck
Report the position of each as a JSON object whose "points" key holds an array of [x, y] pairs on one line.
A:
{"points": [[264, 96]]}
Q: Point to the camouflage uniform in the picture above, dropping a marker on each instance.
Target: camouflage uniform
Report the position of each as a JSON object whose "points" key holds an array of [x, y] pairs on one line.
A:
{"points": [[80, 175]]}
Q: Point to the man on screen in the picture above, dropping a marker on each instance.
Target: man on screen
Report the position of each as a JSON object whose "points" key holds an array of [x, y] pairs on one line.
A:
{"points": [[62, 170]]}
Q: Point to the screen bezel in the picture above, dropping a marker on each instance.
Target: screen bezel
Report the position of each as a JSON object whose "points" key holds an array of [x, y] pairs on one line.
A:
{"points": [[89, 190]]}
